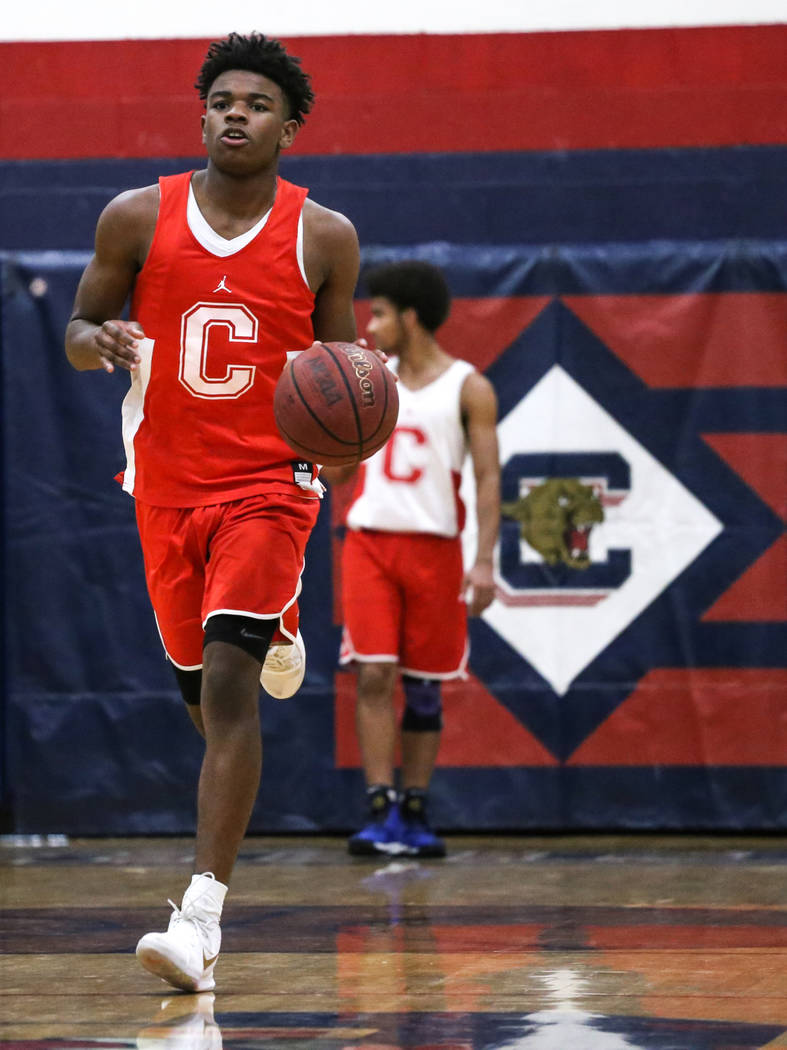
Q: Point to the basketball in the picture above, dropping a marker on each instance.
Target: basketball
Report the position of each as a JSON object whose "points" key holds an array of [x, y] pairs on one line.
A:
{"points": [[336, 403]]}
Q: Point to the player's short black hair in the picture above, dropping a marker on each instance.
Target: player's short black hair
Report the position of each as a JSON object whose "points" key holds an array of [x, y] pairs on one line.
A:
{"points": [[263, 55], [415, 284]]}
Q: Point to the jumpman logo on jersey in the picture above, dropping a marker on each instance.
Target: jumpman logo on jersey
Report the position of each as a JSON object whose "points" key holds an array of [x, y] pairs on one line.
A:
{"points": [[221, 286]]}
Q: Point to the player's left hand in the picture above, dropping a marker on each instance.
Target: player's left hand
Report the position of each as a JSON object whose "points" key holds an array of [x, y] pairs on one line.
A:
{"points": [[478, 588]]}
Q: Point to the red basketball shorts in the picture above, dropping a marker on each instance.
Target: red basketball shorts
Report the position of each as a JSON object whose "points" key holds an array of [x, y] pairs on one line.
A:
{"points": [[401, 594], [243, 557]]}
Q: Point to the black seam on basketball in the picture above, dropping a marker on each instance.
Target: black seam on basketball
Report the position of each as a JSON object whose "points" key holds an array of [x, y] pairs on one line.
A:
{"points": [[351, 392], [369, 450], [316, 456], [300, 444], [315, 417]]}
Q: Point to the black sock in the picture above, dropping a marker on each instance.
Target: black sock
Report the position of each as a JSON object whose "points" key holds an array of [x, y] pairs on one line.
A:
{"points": [[413, 802], [380, 798]]}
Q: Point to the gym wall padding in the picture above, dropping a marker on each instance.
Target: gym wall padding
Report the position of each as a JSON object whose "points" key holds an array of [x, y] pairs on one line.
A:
{"points": [[610, 208], [644, 691]]}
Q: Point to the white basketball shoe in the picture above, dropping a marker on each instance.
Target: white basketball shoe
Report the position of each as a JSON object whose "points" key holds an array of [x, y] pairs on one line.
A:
{"points": [[284, 668], [185, 956]]}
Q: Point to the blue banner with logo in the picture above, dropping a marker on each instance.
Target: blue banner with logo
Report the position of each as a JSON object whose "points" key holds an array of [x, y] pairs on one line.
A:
{"points": [[632, 672]]}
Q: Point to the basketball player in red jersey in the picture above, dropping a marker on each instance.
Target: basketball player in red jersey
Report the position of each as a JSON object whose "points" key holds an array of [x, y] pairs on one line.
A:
{"points": [[228, 268], [403, 556]]}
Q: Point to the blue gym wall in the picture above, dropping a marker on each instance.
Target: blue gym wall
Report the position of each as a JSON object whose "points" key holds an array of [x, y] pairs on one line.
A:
{"points": [[623, 288]]}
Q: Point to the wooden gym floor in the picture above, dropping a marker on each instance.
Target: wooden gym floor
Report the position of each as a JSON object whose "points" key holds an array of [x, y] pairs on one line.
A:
{"points": [[523, 943]]}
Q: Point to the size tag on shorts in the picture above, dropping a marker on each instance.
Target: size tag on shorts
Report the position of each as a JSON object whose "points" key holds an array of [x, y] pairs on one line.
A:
{"points": [[302, 472]]}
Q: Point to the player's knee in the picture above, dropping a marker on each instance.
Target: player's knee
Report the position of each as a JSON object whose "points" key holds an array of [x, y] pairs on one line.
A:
{"points": [[423, 705], [376, 682], [248, 633]]}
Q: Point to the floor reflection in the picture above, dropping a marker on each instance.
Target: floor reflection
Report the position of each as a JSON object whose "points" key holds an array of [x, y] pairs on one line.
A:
{"points": [[183, 1022], [187, 1022], [556, 945]]}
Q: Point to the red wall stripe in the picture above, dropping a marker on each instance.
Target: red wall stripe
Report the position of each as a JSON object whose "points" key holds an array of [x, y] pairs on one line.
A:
{"points": [[706, 717], [759, 595], [760, 459], [635, 88], [729, 339]]}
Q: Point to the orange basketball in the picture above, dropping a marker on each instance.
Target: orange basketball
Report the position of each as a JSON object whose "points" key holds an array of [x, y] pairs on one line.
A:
{"points": [[336, 403]]}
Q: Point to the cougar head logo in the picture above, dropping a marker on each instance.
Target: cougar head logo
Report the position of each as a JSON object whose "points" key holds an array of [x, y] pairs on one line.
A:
{"points": [[555, 518]]}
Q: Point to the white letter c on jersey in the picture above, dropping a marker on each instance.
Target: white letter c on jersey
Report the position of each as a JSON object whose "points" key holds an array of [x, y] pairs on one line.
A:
{"points": [[194, 335]]}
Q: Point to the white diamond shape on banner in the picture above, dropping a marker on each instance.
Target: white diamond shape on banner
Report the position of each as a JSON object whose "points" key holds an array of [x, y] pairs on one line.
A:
{"points": [[660, 522]]}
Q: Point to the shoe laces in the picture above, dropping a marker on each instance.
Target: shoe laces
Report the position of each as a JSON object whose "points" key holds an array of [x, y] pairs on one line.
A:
{"points": [[189, 914], [281, 658]]}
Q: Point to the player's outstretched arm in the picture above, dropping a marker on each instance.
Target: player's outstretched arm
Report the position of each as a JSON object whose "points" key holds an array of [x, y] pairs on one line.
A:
{"points": [[96, 337], [479, 413]]}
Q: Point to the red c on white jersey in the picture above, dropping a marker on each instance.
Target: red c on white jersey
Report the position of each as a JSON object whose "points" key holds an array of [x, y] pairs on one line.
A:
{"points": [[399, 434]]}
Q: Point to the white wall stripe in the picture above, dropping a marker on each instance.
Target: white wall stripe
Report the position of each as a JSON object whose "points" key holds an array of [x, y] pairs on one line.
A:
{"points": [[150, 19]]}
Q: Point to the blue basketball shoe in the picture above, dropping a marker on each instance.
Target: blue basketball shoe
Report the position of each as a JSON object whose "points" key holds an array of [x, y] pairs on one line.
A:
{"points": [[383, 832], [415, 834]]}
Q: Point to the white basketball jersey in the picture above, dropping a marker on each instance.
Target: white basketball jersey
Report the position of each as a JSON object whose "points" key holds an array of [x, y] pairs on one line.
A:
{"points": [[412, 483]]}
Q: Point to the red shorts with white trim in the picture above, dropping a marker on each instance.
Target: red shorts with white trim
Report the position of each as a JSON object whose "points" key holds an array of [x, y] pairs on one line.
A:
{"points": [[243, 557], [401, 594]]}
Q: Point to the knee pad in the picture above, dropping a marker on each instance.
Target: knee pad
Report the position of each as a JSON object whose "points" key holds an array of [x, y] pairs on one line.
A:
{"points": [[190, 684], [423, 707], [247, 632]]}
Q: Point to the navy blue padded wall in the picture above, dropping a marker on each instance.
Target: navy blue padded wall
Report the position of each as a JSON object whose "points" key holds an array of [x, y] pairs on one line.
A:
{"points": [[98, 740], [488, 198]]}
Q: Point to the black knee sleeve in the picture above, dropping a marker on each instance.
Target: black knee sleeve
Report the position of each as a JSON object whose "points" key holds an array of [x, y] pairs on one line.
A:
{"points": [[423, 710], [190, 684], [247, 632]]}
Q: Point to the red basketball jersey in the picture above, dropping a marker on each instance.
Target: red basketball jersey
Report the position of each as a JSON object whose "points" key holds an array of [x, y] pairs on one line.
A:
{"points": [[220, 319]]}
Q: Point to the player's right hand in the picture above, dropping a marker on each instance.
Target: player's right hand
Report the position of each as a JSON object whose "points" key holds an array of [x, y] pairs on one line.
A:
{"points": [[117, 344], [377, 353]]}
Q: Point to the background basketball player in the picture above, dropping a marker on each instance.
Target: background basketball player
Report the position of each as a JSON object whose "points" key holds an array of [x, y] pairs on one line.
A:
{"points": [[404, 593]]}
